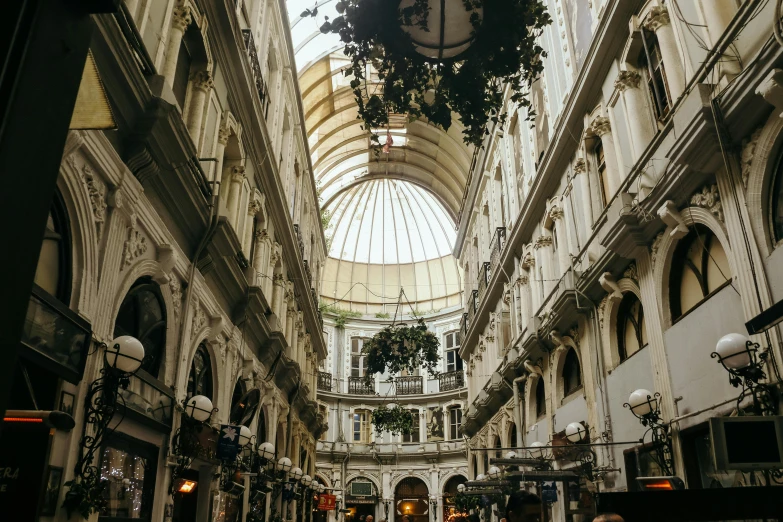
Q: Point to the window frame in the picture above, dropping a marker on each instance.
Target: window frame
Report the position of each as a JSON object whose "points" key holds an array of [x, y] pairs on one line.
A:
{"points": [[133, 446], [775, 187], [654, 75], [415, 435], [453, 351], [202, 349], [540, 402], [145, 284], [625, 307], [362, 368], [363, 418], [454, 426], [569, 359]]}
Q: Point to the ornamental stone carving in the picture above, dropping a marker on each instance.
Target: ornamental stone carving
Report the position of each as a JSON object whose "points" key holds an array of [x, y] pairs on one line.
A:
{"points": [[181, 17], [223, 134], [627, 80], [199, 319], [709, 198], [654, 248], [176, 295], [528, 260], [600, 126], [748, 150], [631, 272], [135, 245], [542, 241], [523, 280], [238, 173], [659, 17], [254, 207], [96, 190], [602, 310], [580, 166], [202, 80]]}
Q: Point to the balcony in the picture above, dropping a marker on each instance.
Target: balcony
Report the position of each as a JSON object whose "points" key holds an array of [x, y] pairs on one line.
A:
{"points": [[451, 380], [255, 67], [55, 337], [409, 385], [357, 386], [496, 247], [324, 381], [485, 273]]}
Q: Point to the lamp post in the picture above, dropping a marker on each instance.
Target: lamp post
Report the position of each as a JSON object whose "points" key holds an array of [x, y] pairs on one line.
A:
{"points": [[645, 405], [198, 410], [122, 357], [744, 361]]}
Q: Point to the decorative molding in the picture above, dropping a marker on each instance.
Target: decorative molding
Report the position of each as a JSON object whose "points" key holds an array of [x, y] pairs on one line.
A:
{"points": [[542, 241], [609, 284], [600, 126], [672, 218], [135, 245], [602, 310], [771, 89], [528, 260], [654, 248], [202, 80], [580, 166], [627, 80], [659, 17], [96, 190], [181, 17], [199, 319], [175, 286], [632, 272], [709, 198], [224, 133], [556, 212], [748, 150]]}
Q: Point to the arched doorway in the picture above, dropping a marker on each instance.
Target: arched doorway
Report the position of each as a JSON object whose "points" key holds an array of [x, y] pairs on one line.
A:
{"points": [[449, 492], [361, 499], [411, 497]]}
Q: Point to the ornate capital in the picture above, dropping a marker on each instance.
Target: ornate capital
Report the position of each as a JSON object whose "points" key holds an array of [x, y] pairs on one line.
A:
{"points": [[580, 166], [523, 280], [254, 207], [556, 212], [632, 272], [181, 18], [238, 173], [601, 126], [659, 16], [542, 241], [223, 134], [528, 260], [627, 80], [202, 80], [709, 198]]}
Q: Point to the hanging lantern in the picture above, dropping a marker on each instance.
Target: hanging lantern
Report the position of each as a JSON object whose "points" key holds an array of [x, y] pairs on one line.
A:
{"points": [[449, 31]]}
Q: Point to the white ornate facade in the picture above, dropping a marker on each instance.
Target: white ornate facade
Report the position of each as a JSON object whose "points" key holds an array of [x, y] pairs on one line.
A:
{"points": [[611, 238]]}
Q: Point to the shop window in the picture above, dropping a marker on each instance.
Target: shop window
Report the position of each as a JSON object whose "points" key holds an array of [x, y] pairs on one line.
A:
{"points": [[54, 261], [453, 360], [700, 268], [572, 375], [200, 377], [603, 175], [413, 436], [631, 332], [455, 420], [129, 466], [540, 398], [654, 74], [776, 203], [640, 462], [143, 316], [358, 360], [361, 426]]}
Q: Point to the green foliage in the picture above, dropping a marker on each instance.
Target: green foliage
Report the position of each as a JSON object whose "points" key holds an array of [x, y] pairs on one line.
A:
{"points": [[382, 315], [399, 347], [395, 420], [85, 497], [339, 315], [466, 503], [504, 53]]}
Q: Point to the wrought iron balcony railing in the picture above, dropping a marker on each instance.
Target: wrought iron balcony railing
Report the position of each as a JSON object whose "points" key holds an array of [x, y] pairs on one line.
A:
{"points": [[357, 386], [483, 280], [497, 246], [451, 380], [324, 381], [463, 328], [409, 385], [472, 305], [255, 67]]}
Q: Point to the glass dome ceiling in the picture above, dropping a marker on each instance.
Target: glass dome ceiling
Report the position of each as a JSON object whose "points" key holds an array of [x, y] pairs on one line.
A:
{"points": [[393, 215]]}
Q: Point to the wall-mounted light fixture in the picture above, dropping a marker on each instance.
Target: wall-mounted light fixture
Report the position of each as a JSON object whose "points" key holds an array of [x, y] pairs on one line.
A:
{"points": [[645, 405], [744, 360]]}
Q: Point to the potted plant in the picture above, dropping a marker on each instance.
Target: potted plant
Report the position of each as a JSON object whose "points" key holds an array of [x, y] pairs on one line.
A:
{"points": [[436, 58], [85, 499], [395, 420], [399, 347]]}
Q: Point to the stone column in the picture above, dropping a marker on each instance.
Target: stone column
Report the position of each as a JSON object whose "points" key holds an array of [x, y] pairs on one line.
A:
{"points": [[261, 258], [659, 23], [718, 14], [543, 248], [180, 20], [583, 182], [636, 106], [563, 258], [223, 135], [601, 127], [277, 299], [202, 84], [235, 194], [523, 283], [253, 208]]}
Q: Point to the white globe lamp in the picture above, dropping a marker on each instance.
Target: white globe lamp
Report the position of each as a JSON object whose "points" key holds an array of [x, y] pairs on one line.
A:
{"points": [[284, 465], [642, 402], [296, 474], [461, 488], [511, 455], [199, 407], [244, 436], [449, 31], [124, 353], [494, 472], [266, 451], [537, 451], [480, 477], [307, 480], [733, 351], [576, 432]]}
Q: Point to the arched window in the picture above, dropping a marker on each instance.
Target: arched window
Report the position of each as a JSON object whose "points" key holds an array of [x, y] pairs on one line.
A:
{"points": [[498, 445], [243, 404], [200, 378], [261, 431], [54, 261], [700, 267], [631, 332], [540, 397], [776, 203], [512, 438], [572, 375], [143, 316]]}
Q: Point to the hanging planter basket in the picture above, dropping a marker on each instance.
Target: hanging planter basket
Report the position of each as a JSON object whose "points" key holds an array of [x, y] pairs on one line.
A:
{"points": [[437, 57], [395, 420], [401, 347]]}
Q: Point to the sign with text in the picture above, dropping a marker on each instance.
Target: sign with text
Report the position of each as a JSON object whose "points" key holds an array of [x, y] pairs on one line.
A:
{"points": [[228, 442], [326, 502], [24, 450]]}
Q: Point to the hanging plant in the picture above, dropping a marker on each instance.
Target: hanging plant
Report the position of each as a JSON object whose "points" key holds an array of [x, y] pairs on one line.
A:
{"points": [[85, 497], [395, 420], [399, 347], [466, 503], [497, 48]]}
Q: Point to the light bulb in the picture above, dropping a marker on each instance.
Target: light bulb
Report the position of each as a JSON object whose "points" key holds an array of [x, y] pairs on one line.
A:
{"points": [[124, 353]]}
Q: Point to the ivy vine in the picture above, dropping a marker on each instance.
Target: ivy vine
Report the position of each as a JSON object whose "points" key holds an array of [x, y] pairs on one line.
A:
{"points": [[504, 53], [339, 315]]}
